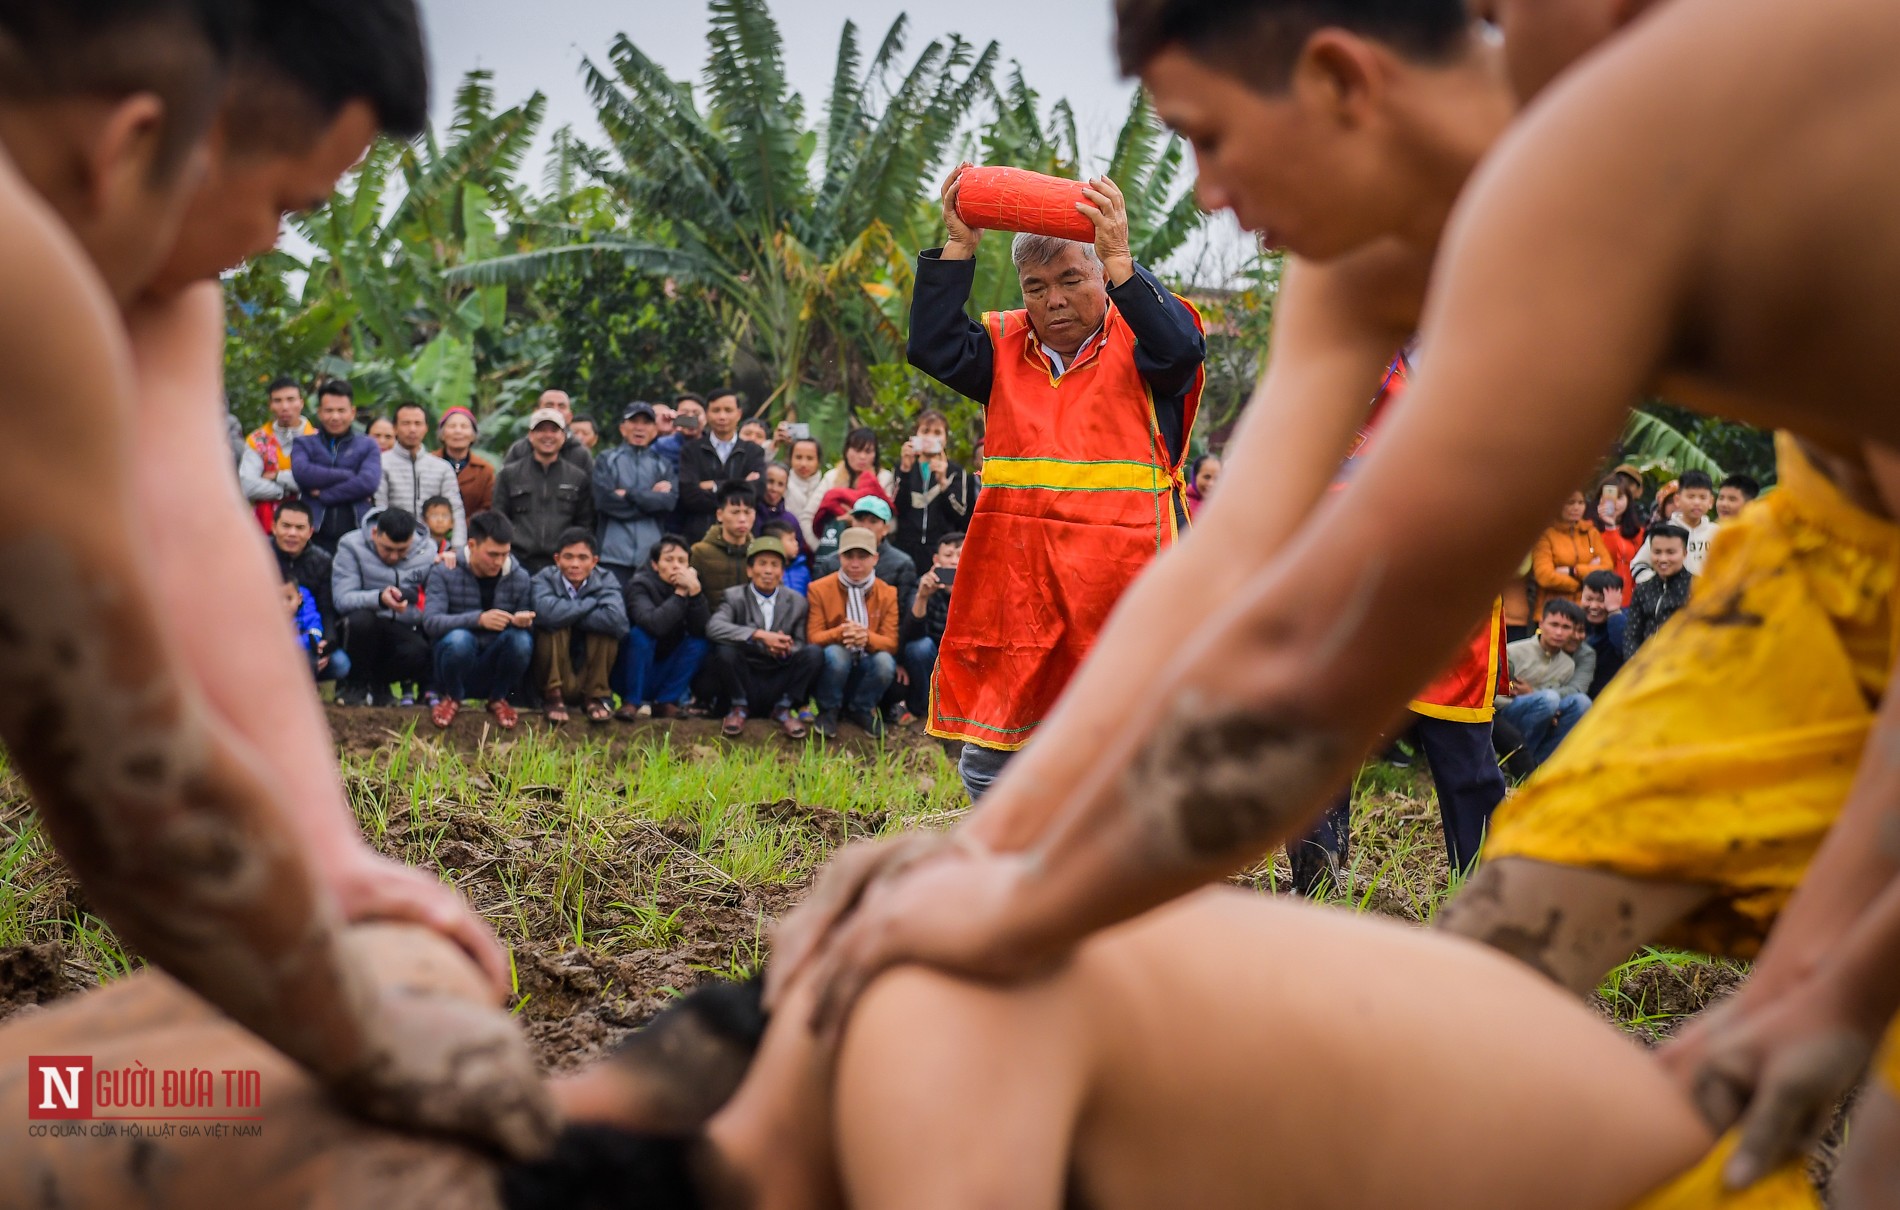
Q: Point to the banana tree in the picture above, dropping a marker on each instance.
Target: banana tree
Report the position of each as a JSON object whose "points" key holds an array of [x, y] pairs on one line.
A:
{"points": [[386, 245], [788, 223]]}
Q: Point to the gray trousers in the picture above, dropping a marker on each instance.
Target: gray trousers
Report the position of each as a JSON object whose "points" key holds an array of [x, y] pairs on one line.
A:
{"points": [[980, 767]]}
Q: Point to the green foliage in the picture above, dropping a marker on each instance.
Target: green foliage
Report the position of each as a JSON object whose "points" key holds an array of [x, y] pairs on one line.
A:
{"points": [[1239, 325], [626, 335], [1676, 439], [899, 392], [719, 233], [269, 333]]}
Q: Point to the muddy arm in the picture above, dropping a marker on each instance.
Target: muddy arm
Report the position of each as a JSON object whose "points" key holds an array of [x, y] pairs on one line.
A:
{"points": [[1323, 372], [163, 816], [171, 831], [1277, 699]]}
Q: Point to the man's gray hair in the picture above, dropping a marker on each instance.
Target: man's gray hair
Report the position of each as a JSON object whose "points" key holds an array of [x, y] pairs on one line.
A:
{"points": [[1030, 251]]}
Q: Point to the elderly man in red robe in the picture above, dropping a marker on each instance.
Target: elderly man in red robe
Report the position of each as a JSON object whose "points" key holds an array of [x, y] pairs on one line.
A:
{"points": [[1090, 392]]}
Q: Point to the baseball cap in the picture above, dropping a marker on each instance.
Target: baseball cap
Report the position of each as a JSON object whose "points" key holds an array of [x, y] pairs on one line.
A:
{"points": [[639, 409], [547, 416], [857, 539], [872, 506], [765, 546]]}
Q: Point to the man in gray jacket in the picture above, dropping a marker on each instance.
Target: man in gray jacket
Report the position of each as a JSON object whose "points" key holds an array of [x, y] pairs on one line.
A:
{"points": [[479, 612], [375, 582], [412, 477], [635, 493], [760, 653], [580, 619]]}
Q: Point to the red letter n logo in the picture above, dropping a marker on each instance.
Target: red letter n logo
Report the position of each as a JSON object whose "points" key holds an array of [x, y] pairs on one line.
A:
{"points": [[58, 1086]]}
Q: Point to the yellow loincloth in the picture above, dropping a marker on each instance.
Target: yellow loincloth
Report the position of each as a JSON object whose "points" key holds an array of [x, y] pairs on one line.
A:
{"points": [[1700, 1188], [1887, 1062], [1725, 750]]}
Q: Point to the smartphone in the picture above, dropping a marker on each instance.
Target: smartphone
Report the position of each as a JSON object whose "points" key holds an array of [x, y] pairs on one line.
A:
{"points": [[799, 432], [946, 576], [930, 445]]}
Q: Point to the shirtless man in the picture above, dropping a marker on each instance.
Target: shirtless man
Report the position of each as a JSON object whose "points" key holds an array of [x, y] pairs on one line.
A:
{"points": [[1276, 721], [105, 115], [1153, 1071]]}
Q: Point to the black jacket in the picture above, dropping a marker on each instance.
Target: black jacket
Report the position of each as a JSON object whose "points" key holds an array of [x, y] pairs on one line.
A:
{"points": [[927, 511], [311, 570], [542, 501], [936, 617], [1655, 602], [954, 349], [452, 596], [664, 614], [700, 463]]}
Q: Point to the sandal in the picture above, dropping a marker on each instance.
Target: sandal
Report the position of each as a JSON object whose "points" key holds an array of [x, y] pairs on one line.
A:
{"points": [[598, 711], [556, 709], [629, 713]]}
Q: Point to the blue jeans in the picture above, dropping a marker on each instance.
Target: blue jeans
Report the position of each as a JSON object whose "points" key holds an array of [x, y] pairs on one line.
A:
{"points": [[338, 669], [920, 660], [854, 680], [979, 767], [481, 663], [643, 677], [1545, 718]]}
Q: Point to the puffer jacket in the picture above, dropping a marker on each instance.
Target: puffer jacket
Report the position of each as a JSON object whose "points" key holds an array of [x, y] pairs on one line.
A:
{"points": [[336, 472], [597, 609], [453, 600], [358, 576], [631, 524], [411, 479]]}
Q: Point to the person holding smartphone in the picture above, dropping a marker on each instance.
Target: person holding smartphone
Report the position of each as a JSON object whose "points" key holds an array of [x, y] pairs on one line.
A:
{"points": [[374, 582], [934, 495]]}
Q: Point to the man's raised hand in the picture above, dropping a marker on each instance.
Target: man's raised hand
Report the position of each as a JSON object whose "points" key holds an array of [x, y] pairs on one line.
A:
{"points": [[1107, 209], [962, 238]]}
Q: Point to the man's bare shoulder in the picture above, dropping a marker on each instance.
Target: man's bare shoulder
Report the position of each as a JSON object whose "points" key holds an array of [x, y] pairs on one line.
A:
{"points": [[57, 321]]}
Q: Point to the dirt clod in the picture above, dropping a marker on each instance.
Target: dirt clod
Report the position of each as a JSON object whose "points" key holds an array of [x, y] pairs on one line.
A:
{"points": [[31, 975]]}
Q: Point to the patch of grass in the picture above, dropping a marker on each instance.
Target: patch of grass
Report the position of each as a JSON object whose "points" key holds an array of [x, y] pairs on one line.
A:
{"points": [[665, 845]]}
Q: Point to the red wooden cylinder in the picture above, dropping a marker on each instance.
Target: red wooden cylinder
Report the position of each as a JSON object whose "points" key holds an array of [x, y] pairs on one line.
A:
{"points": [[1014, 199]]}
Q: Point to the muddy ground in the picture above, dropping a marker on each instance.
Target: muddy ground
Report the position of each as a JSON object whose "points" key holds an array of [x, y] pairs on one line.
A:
{"points": [[575, 1000], [578, 1000]]}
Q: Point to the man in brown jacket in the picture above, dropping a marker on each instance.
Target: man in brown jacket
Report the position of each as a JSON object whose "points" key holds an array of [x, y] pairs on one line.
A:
{"points": [[854, 621]]}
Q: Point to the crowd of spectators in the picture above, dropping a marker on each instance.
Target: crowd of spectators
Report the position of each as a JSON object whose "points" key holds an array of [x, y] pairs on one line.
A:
{"points": [[707, 564], [1601, 581], [703, 564]]}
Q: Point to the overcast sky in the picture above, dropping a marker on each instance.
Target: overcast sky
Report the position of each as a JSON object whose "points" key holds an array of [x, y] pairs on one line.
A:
{"points": [[1063, 45]]}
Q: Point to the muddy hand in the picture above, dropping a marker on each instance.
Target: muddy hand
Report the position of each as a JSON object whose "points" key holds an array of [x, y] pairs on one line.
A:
{"points": [[1776, 1074], [371, 888], [441, 1065], [959, 914], [808, 929]]}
